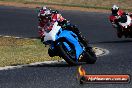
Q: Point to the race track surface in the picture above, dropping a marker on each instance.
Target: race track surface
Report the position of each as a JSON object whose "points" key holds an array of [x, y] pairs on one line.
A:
{"points": [[22, 22]]}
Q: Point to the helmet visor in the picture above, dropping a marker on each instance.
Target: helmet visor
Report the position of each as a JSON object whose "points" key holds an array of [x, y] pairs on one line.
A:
{"points": [[114, 12]]}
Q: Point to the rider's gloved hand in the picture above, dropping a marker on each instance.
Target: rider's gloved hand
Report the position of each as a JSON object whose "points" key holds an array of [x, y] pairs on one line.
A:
{"points": [[55, 11], [62, 23]]}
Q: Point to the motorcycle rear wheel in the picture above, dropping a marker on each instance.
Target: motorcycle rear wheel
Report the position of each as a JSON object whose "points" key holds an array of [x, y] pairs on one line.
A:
{"points": [[89, 55]]}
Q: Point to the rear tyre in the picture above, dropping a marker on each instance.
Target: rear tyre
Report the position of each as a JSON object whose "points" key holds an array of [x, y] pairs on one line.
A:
{"points": [[89, 55]]}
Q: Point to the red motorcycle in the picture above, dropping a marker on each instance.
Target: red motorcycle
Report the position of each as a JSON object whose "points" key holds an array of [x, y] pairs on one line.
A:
{"points": [[123, 24]]}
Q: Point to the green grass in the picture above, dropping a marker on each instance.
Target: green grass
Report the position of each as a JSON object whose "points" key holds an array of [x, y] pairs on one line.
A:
{"points": [[97, 4], [22, 51]]}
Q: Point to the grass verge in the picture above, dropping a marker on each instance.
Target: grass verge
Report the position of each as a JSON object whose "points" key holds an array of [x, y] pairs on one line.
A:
{"points": [[95, 4], [15, 51]]}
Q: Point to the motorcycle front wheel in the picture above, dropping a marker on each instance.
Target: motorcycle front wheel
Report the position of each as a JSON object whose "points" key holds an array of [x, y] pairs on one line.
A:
{"points": [[68, 56]]}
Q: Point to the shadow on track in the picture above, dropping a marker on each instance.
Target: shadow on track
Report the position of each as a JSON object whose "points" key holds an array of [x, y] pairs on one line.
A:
{"points": [[116, 41], [55, 65], [50, 65]]}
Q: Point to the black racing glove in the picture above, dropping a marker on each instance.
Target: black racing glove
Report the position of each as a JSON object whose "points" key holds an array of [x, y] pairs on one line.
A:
{"points": [[63, 23], [54, 11]]}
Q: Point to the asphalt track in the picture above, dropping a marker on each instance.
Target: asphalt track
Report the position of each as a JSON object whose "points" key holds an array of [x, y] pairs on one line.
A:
{"points": [[22, 22]]}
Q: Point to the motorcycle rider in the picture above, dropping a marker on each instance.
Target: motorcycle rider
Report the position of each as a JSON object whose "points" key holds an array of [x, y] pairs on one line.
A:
{"points": [[47, 18], [115, 17]]}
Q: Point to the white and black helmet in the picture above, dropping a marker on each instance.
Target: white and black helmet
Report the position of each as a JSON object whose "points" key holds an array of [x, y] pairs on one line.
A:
{"points": [[114, 9]]}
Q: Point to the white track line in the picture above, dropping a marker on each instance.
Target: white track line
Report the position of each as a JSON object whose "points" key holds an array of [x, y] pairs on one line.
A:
{"points": [[33, 64]]}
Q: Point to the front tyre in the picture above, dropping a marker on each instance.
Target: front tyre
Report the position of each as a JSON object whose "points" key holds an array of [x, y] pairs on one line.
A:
{"points": [[51, 52], [66, 55]]}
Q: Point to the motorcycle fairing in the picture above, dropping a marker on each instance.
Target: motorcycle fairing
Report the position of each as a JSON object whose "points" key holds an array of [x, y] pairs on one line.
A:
{"points": [[52, 34], [57, 33], [72, 38], [129, 21]]}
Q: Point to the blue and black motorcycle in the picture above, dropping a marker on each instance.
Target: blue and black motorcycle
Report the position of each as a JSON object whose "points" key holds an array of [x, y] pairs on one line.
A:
{"points": [[67, 44]]}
